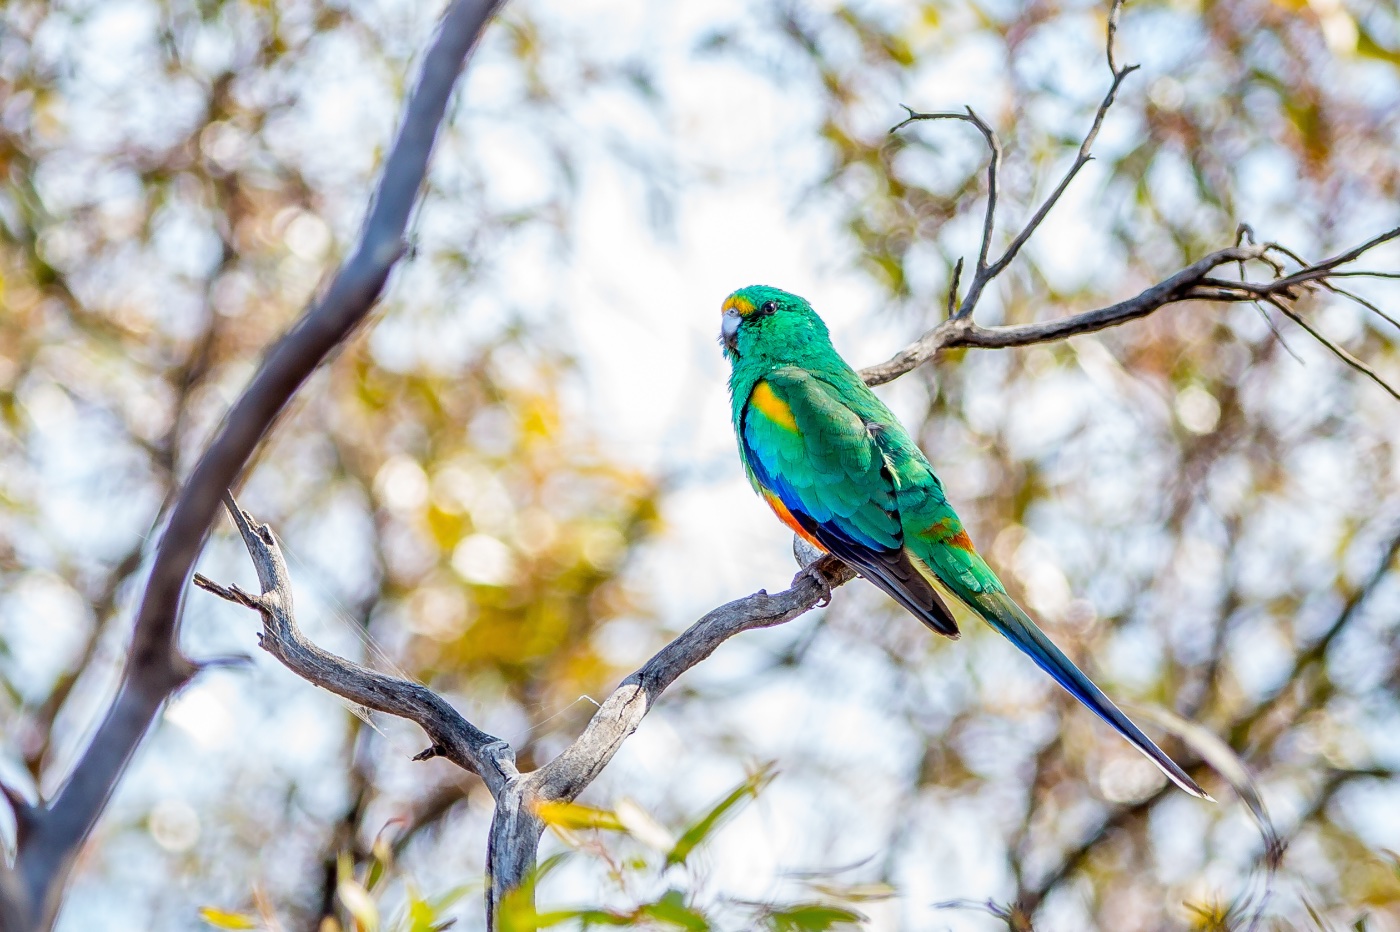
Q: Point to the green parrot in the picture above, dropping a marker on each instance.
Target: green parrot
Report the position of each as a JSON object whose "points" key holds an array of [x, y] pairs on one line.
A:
{"points": [[838, 469]]}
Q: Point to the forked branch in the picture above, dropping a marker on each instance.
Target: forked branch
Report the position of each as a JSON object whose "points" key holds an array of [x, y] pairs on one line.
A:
{"points": [[987, 271], [451, 735], [1193, 283], [516, 826]]}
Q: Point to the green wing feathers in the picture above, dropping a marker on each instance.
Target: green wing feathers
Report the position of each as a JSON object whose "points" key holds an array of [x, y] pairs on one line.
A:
{"points": [[839, 468], [814, 457]]}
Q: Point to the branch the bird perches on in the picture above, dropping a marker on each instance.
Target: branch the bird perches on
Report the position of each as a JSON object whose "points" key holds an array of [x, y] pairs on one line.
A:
{"points": [[516, 826]]}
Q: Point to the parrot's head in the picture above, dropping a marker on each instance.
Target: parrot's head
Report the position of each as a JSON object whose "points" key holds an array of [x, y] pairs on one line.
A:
{"points": [[763, 321]]}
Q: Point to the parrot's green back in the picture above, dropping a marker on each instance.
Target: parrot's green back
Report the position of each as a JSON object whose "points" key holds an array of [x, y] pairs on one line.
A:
{"points": [[839, 469]]}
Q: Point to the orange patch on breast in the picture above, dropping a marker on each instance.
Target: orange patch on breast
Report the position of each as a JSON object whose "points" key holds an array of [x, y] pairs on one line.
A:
{"points": [[772, 407], [789, 519]]}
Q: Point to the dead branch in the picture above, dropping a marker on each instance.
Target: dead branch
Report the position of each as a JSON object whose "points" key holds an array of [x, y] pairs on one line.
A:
{"points": [[515, 827], [451, 735], [986, 272], [620, 714], [1194, 283]]}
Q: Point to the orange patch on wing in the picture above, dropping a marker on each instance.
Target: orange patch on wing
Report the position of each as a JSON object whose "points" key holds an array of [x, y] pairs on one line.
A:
{"points": [[787, 518], [774, 408], [942, 532], [741, 303], [961, 541]]}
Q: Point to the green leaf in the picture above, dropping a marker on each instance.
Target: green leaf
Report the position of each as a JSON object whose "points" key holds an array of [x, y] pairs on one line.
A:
{"points": [[587, 918], [451, 896], [1368, 47], [383, 856], [421, 915], [696, 834], [221, 919], [855, 893], [672, 909], [812, 917], [516, 912], [640, 825]]}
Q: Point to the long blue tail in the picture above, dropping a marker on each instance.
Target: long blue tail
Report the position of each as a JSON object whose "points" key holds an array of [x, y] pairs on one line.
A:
{"points": [[1006, 616]]}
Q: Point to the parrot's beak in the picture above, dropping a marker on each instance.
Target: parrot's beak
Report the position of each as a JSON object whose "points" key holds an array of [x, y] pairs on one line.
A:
{"points": [[729, 330]]}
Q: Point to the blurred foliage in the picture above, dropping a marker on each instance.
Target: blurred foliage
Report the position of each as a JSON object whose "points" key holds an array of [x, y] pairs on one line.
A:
{"points": [[650, 869], [645, 861], [1201, 506], [360, 893]]}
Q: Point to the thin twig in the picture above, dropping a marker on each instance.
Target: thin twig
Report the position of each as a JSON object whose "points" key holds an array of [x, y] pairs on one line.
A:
{"points": [[953, 288], [1336, 348], [987, 271], [993, 173], [1337, 273]]}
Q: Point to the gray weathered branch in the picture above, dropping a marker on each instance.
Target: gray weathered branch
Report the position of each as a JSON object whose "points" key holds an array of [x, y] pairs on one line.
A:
{"points": [[568, 774], [516, 826], [53, 833], [452, 736], [1193, 283]]}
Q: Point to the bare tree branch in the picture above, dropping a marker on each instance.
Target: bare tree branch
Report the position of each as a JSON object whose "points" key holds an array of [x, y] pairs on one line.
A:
{"points": [[155, 666], [620, 714], [1193, 283], [986, 272], [982, 273], [1337, 350], [516, 826], [1238, 735], [515, 829], [452, 736]]}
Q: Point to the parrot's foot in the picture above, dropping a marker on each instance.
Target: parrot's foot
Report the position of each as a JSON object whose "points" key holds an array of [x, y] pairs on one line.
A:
{"points": [[817, 572]]}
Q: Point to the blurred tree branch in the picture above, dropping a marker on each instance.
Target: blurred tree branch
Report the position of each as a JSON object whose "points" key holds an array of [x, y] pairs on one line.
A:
{"points": [[1238, 734], [985, 272], [51, 833]]}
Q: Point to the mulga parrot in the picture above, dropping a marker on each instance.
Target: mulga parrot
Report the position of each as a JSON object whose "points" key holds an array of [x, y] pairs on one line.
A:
{"points": [[838, 469]]}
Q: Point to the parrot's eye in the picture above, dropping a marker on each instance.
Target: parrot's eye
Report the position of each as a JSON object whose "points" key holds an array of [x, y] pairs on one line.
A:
{"points": [[769, 307]]}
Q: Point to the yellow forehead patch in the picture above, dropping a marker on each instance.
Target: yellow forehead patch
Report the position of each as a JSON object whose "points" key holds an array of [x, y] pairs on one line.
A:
{"points": [[774, 408], [737, 301]]}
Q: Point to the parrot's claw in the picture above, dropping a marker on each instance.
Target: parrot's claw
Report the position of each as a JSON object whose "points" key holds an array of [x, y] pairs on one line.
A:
{"points": [[813, 571]]}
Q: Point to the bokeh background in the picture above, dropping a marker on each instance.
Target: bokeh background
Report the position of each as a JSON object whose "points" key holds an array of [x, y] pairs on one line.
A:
{"points": [[519, 480]]}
